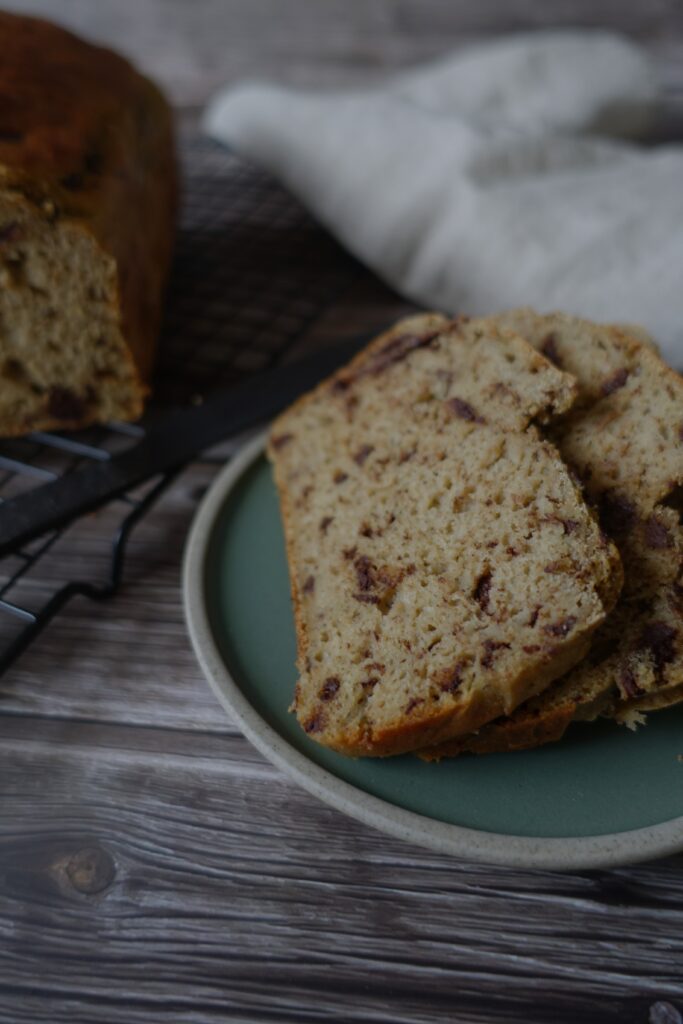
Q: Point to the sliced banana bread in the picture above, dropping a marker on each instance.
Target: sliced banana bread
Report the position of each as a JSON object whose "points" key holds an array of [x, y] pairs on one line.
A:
{"points": [[87, 202], [443, 565], [624, 438]]}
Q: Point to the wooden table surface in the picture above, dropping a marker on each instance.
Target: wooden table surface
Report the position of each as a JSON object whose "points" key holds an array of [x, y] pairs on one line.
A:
{"points": [[153, 866]]}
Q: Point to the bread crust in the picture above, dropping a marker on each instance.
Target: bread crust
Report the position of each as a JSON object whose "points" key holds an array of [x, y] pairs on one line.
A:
{"points": [[525, 731], [87, 151]]}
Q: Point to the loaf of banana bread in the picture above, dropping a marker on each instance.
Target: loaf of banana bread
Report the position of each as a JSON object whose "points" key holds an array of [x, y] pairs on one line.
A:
{"points": [[87, 203]]}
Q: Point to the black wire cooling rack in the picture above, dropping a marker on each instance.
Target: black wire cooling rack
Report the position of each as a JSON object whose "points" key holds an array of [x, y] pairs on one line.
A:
{"points": [[252, 271]]}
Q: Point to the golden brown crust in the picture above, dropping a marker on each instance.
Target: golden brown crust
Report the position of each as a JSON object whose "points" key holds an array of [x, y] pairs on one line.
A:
{"points": [[441, 736], [86, 144], [524, 731]]}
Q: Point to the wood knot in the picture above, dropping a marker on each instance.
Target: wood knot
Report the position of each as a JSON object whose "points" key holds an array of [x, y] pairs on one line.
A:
{"points": [[91, 870], [664, 1013]]}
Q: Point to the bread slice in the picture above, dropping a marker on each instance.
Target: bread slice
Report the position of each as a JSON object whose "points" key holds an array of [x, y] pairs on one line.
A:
{"points": [[624, 438], [87, 202], [443, 564]]}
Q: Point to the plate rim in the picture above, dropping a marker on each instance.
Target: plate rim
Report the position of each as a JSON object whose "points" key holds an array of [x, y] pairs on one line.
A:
{"points": [[501, 849]]}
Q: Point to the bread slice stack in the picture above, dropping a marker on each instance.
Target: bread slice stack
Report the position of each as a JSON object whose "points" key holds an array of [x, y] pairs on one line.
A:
{"points": [[483, 531], [624, 438], [445, 567]]}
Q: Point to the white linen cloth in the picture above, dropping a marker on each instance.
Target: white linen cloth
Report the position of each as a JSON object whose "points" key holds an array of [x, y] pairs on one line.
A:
{"points": [[496, 177]]}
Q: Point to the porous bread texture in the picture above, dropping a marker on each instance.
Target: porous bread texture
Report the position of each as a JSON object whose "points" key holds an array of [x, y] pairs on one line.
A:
{"points": [[443, 564], [624, 438], [63, 359], [87, 202]]}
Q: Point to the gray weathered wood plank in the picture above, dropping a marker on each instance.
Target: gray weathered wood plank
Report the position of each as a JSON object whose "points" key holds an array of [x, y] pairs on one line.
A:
{"points": [[147, 874]]}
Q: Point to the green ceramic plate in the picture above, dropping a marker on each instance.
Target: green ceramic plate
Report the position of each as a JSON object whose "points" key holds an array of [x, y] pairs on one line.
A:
{"points": [[603, 796]]}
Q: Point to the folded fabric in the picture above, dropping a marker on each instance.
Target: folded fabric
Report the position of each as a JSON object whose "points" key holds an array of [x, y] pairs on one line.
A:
{"points": [[498, 177]]}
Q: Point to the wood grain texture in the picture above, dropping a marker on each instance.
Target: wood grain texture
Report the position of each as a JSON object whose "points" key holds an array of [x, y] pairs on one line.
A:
{"points": [[153, 867], [145, 876]]}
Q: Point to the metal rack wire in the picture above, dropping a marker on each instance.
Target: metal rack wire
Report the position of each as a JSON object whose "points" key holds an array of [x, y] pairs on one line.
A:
{"points": [[252, 272]]}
